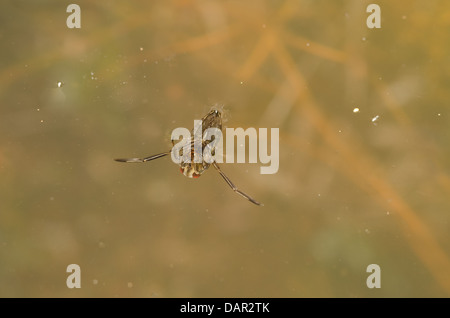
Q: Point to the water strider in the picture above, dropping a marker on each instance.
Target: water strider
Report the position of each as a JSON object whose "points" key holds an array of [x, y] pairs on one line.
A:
{"points": [[192, 168]]}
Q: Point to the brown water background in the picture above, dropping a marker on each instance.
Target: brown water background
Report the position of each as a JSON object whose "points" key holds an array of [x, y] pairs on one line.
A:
{"points": [[354, 188]]}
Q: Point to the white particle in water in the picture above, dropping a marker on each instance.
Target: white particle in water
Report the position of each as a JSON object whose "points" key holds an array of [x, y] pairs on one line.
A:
{"points": [[60, 84], [374, 119], [356, 110]]}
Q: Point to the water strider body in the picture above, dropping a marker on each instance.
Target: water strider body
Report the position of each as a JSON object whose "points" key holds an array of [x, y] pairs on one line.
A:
{"points": [[193, 169]]}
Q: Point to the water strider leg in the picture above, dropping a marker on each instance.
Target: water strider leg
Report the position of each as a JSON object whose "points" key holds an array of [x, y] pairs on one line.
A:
{"points": [[232, 186], [144, 159]]}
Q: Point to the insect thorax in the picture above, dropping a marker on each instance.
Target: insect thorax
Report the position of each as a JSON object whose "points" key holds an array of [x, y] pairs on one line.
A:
{"points": [[197, 164]]}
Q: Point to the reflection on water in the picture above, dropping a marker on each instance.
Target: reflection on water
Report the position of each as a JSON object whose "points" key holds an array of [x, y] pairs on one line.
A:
{"points": [[363, 176]]}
